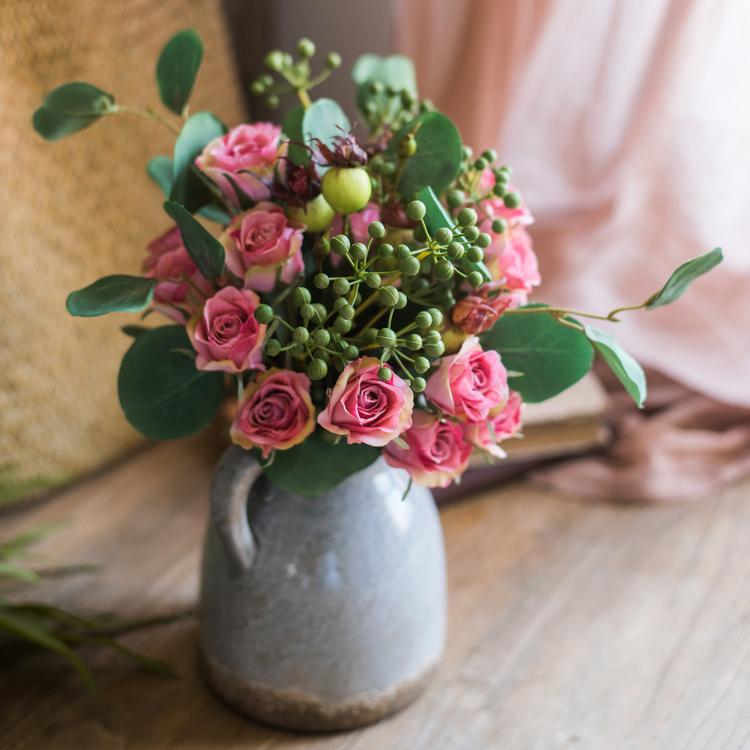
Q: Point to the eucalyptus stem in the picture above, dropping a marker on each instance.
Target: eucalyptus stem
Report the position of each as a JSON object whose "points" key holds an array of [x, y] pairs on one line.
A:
{"points": [[148, 114]]}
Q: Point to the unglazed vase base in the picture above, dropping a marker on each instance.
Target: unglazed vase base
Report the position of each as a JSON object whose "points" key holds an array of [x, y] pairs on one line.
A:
{"points": [[300, 711]]}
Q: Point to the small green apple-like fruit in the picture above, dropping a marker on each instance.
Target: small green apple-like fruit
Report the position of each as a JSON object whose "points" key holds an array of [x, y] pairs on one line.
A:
{"points": [[316, 215], [347, 189]]}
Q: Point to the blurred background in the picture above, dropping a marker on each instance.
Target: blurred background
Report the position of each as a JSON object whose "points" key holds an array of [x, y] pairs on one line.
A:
{"points": [[627, 125]]}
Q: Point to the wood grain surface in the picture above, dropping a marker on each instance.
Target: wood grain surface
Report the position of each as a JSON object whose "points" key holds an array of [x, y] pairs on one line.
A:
{"points": [[572, 625]]}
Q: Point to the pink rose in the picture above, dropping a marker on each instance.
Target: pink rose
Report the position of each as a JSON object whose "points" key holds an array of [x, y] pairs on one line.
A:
{"points": [[438, 452], [477, 313], [276, 412], [507, 423], [511, 259], [365, 408], [261, 242], [226, 334], [178, 293], [495, 208], [470, 384], [248, 153]]}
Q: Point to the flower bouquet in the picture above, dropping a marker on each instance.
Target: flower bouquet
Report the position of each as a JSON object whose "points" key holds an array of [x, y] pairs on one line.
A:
{"points": [[362, 287]]}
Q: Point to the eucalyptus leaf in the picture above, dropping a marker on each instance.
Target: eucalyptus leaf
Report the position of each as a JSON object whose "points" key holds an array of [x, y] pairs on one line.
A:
{"points": [[316, 466], [681, 279], [70, 108], [395, 71], [117, 293], [161, 171], [437, 160], [161, 391], [622, 364], [198, 130], [177, 69], [292, 129], [437, 217], [551, 357], [323, 121], [215, 213], [205, 250], [133, 331]]}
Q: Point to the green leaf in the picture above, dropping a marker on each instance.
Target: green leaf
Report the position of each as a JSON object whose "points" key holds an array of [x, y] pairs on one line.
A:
{"points": [[323, 121], [436, 217], [196, 133], [292, 128], [177, 68], [316, 466], [117, 293], [161, 171], [32, 629], [395, 71], [551, 357], [438, 158], [205, 250], [161, 391], [681, 279], [133, 331], [216, 214], [244, 201], [70, 108], [622, 364]]}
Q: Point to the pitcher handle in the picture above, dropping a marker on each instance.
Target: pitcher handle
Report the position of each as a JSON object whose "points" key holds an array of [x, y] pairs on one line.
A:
{"points": [[237, 472]]}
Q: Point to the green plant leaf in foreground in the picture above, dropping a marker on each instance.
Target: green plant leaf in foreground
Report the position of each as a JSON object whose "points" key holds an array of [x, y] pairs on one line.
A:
{"points": [[161, 170], [549, 356], [622, 364], [161, 391], [316, 466], [117, 293], [323, 121], [177, 69], [205, 250], [681, 279], [70, 108]]}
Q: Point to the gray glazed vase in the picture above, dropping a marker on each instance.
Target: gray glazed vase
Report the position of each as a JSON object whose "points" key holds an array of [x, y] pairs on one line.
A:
{"points": [[320, 613]]}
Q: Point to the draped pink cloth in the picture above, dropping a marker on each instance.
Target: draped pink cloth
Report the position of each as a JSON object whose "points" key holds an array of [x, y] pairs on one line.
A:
{"points": [[627, 124]]}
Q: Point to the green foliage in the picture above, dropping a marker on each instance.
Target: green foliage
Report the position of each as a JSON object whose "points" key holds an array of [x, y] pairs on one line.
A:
{"points": [[395, 72], [177, 69], [70, 108], [117, 293], [622, 364], [323, 121], [316, 466], [681, 279], [549, 356], [161, 171], [205, 250], [437, 160], [161, 391], [436, 217], [187, 186], [292, 129]]}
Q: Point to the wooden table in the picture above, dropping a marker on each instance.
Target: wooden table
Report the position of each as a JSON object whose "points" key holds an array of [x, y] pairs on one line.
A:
{"points": [[571, 625]]}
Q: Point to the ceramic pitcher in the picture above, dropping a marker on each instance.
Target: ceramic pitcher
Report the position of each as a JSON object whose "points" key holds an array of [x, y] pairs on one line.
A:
{"points": [[321, 613]]}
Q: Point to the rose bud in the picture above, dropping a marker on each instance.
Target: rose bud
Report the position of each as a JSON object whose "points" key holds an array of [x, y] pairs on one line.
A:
{"points": [[506, 424]]}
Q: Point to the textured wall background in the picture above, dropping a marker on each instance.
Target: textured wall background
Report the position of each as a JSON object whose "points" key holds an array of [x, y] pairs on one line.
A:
{"points": [[76, 210]]}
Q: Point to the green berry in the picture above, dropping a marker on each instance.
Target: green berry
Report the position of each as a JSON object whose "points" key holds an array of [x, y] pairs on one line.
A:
{"points": [[456, 250], [347, 311], [425, 265], [466, 217], [340, 302], [376, 230], [416, 210], [358, 252], [467, 153], [475, 279], [443, 235], [258, 87], [273, 348], [341, 286], [370, 335], [340, 244], [435, 349], [307, 311], [435, 315], [385, 251], [347, 189], [480, 164], [388, 296], [423, 320], [321, 337], [413, 341], [484, 240], [418, 385], [402, 252], [301, 296], [264, 313], [490, 155], [319, 312], [323, 245], [499, 226], [512, 200], [444, 270], [499, 189], [342, 325], [471, 233], [474, 254], [273, 101], [408, 147], [456, 198], [409, 266], [373, 279], [300, 335], [305, 48], [403, 300], [321, 281], [432, 337], [384, 374], [386, 337], [317, 369], [421, 364], [333, 60], [351, 352], [274, 60]]}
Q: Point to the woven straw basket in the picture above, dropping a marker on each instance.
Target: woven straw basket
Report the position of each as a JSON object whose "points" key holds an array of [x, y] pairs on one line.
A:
{"points": [[77, 210]]}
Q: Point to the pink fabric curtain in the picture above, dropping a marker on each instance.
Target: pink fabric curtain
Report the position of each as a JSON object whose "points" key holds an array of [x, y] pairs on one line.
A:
{"points": [[628, 126]]}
